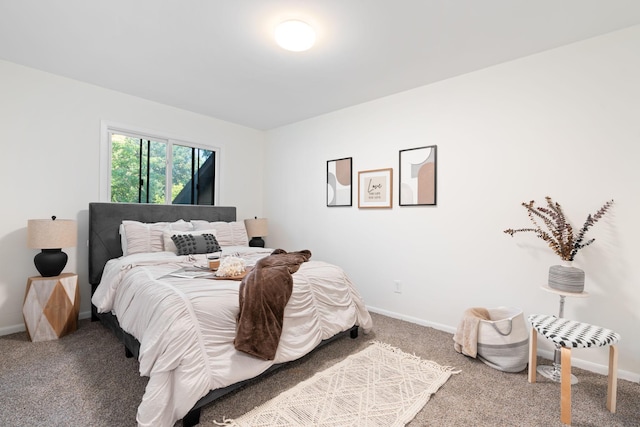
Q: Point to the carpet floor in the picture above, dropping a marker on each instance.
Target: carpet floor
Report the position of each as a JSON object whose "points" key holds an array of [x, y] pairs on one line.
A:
{"points": [[84, 379]]}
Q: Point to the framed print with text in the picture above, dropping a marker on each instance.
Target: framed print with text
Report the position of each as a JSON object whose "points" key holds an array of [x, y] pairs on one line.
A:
{"points": [[375, 188], [339, 175], [418, 173]]}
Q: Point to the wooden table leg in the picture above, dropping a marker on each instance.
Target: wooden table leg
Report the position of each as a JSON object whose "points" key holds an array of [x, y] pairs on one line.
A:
{"points": [[612, 386], [565, 385], [533, 355]]}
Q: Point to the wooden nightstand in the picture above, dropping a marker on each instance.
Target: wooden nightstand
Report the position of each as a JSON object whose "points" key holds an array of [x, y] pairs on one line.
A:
{"points": [[51, 306]]}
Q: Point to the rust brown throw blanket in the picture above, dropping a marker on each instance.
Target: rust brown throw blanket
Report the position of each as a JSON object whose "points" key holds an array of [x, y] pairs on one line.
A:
{"points": [[264, 293]]}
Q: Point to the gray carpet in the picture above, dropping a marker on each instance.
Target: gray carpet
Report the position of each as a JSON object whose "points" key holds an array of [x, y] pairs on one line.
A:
{"points": [[84, 379]]}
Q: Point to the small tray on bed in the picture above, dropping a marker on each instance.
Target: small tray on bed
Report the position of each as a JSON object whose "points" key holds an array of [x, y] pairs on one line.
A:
{"points": [[238, 277]]}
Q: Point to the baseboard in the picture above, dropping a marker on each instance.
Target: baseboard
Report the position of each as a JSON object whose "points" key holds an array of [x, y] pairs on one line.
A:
{"points": [[410, 319], [7, 330], [547, 354]]}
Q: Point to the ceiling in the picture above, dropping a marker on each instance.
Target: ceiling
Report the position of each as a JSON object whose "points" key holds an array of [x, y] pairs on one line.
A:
{"points": [[218, 58]]}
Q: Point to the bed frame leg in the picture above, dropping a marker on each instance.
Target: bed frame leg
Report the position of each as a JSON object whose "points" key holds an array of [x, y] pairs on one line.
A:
{"points": [[354, 332], [127, 352], [192, 418]]}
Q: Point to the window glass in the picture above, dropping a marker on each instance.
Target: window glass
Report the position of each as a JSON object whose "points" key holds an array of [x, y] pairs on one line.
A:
{"points": [[143, 167], [193, 175]]}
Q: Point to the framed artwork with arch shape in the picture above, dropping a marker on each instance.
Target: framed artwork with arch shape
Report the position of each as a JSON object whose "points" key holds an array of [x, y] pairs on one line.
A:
{"points": [[418, 176], [339, 178]]}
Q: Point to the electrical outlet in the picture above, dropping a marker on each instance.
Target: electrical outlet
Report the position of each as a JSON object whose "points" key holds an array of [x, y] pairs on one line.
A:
{"points": [[397, 286]]}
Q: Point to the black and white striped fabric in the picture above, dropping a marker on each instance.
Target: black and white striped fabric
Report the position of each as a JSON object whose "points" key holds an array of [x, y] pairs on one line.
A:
{"points": [[569, 333]]}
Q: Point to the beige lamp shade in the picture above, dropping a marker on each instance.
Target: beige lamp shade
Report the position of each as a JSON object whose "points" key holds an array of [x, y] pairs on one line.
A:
{"points": [[256, 227], [52, 233]]}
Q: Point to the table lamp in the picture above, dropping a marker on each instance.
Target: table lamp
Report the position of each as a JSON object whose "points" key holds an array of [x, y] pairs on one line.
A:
{"points": [[256, 229], [51, 235]]}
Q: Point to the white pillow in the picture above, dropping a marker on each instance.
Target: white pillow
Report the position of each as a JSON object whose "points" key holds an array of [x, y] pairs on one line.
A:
{"points": [[137, 237], [227, 233], [168, 242]]}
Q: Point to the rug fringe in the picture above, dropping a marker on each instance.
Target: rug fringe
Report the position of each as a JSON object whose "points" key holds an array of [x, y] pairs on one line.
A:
{"points": [[448, 369], [229, 422]]}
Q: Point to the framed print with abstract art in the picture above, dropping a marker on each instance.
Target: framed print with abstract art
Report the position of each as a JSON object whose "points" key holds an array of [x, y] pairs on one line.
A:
{"points": [[418, 167], [339, 174], [375, 188]]}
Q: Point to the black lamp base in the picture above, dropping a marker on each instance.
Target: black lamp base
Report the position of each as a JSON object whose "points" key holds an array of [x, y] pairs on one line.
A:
{"points": [[50, 262], [257, 242]]}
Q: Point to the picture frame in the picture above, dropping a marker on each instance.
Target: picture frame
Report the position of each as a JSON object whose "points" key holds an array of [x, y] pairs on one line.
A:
{"points": [[339, 182], [375, 188], [417, 183]]}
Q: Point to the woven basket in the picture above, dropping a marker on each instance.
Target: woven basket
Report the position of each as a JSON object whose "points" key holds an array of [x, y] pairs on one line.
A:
{"points": [[503, 341]]}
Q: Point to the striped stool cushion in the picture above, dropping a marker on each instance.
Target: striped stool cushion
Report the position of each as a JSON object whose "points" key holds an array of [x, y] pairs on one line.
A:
{"points": [[569, 333]]}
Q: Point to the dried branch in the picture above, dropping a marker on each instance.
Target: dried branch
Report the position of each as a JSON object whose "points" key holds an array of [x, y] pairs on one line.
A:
{"points": [[559, 233]]}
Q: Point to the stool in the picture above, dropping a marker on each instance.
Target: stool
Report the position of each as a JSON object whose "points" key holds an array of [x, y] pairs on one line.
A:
{"points": [[553, 372], [570, 334]]}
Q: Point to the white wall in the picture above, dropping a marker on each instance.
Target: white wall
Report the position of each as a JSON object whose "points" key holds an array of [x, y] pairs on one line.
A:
{"points": [[562, 123], [50, 133]]}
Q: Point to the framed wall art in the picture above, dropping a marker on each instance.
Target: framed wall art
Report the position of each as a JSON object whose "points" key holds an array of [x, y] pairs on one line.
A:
{"points": [[418, 173], [339, 173], [375, 188]]}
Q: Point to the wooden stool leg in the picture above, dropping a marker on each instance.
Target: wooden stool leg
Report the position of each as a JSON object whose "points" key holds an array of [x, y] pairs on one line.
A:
{"points": [[565, 385], [612, 386], [533, 355]]}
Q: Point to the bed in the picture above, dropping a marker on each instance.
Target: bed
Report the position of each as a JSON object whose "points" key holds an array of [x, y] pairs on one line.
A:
{"points": [[181, 329]]}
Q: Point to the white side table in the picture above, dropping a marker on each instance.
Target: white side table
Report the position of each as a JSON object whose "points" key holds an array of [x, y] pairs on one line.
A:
{"points": [[51, 306], [554, 372]]}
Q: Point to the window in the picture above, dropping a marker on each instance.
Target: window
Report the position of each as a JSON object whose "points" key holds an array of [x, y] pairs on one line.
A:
{"points": [[138, 167]]}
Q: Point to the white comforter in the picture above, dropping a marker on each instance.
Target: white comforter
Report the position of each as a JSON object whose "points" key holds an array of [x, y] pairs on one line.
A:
{"points": [[186, 326]]}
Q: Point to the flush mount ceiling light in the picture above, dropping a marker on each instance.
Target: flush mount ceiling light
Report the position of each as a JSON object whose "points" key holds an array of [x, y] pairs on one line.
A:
{"points": [[295, 36]]}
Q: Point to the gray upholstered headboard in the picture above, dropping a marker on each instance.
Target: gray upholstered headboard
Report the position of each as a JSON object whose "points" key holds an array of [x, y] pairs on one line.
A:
{"points": [[105, 219]]}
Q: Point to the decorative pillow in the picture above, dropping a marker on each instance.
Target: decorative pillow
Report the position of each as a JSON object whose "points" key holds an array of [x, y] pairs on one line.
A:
{"points": [[227, 233], [137, 237], [168, 241], [189, 244]]}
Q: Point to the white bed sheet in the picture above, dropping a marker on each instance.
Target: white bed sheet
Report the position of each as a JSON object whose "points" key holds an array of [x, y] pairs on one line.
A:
{"points": [[186, 326]]}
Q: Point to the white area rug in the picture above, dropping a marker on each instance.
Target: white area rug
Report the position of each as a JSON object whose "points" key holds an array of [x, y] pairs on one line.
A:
{"points": [[378, 386]]}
